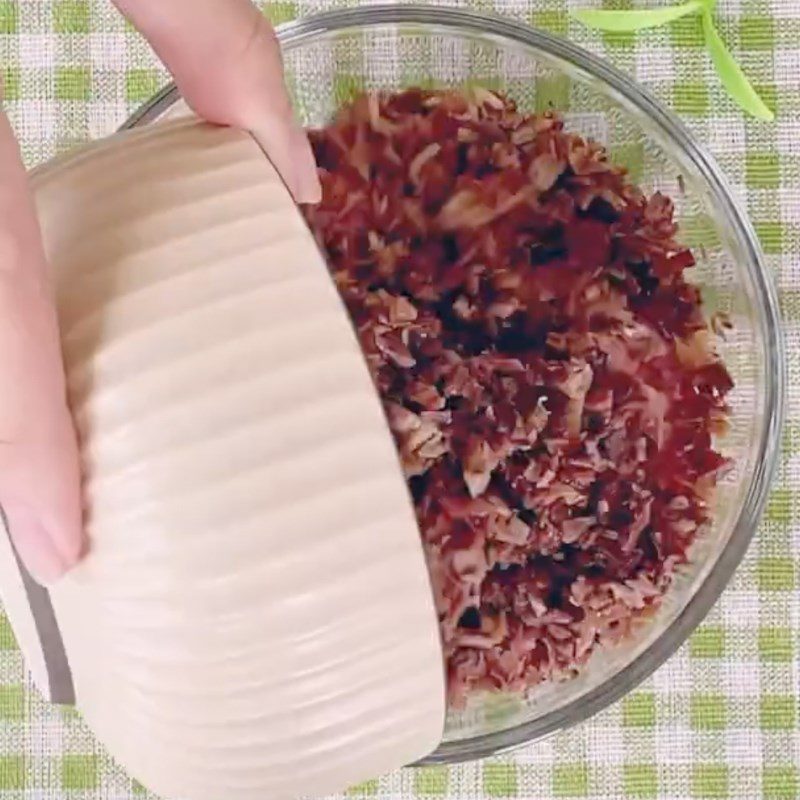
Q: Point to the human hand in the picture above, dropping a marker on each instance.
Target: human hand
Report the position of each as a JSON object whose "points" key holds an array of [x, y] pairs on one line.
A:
{"points": [[226, 62]]}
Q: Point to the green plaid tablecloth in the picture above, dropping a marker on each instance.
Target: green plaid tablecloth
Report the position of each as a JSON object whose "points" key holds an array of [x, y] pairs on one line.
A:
{"points": [[720, 719]]}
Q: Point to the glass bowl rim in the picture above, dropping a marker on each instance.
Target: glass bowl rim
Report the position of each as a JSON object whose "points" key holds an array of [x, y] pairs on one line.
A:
{"points": [[505, 30]]}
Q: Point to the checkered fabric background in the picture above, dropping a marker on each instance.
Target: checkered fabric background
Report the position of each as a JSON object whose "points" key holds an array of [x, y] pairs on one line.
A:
{"points": [[720, 719]]}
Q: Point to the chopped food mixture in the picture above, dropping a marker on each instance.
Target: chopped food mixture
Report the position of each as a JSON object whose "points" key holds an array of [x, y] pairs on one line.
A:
{"points": [[547, 370]]}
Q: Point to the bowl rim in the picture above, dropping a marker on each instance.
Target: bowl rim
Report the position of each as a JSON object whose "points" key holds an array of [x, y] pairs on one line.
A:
{"points": [[768, 320]]}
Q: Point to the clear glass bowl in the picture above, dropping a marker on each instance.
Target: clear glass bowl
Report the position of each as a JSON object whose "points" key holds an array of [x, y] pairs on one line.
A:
{"points": [[328, 57]]}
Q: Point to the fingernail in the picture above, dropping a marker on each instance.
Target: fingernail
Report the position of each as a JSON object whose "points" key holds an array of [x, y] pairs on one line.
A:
{"points": [[33, 544], [307, 187]]}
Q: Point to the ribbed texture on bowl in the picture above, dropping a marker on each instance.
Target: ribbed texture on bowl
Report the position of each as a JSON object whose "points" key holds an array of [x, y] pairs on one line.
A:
{"points": [[254, 618]]}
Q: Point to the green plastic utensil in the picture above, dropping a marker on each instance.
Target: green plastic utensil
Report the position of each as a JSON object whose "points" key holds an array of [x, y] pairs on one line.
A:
{"points": [[730, 73], [635, 20]]}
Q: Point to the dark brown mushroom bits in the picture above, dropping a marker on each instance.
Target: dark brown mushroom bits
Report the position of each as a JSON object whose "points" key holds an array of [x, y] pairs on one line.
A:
{"points": [[547, 370]]}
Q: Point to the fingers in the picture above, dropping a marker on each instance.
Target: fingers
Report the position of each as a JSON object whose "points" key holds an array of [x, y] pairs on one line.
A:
{"points": [[39, 468], [227, 64]]}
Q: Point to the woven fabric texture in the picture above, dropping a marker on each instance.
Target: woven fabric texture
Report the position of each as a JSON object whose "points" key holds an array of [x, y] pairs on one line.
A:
{"points": [[720, 719]]}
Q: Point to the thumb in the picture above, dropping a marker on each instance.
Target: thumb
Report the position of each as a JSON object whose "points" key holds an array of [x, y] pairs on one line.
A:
{"points": [[227, 64], [39, 469]]}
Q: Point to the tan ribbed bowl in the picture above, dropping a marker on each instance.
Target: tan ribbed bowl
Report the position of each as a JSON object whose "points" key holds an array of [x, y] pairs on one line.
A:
{"points": [[253, 616]]}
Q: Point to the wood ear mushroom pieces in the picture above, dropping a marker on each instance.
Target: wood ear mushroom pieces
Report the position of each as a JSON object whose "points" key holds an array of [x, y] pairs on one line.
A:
{"points": [[254, 617]]}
